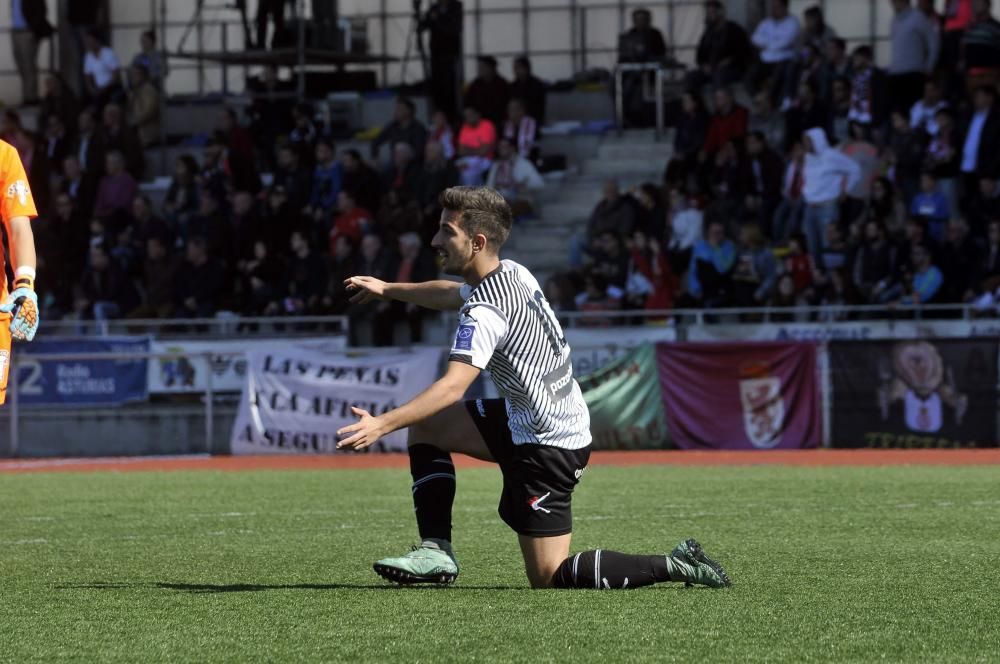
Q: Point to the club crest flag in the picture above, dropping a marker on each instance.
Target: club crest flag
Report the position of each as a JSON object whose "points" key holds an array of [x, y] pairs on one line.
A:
{"points": [[746, 396]]}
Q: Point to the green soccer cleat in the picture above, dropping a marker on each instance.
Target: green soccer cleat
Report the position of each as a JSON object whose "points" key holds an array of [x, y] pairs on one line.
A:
{"points": [[430, 562], [688, 563]]}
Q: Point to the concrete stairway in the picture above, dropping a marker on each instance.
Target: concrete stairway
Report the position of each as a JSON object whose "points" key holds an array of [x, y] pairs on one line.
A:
{"points": [[564, 206]]}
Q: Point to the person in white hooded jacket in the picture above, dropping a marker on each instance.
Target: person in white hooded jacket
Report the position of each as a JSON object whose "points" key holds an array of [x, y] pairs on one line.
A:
{"points": [[828, 175]]}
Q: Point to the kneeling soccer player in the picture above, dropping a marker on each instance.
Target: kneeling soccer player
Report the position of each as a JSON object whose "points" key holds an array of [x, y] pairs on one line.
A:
{"points": [[539, 433], [19, 311]]}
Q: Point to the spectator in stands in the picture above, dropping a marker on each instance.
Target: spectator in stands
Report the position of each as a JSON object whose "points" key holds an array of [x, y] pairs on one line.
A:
{"points": [[840, 110], [597, 296], [685, 223], [416, 264], [610, 260], [90, 143], [403, 173], [326, 183], [293, 176], [144, 105], [437, 175], [777, 37], [353, 222], [906, 154], [862, 152], [529, 89], [441, 132], [56, 143], [984, 207], [807, 112], [476, 144], [981, 148], [79, 186], [521, 129], [200, 287], [922, 281], [22, 140], [373, 260], [117, 188], [943, 153], [101, 69], [116, 135], [835, 65], [885, 207], [270, 110], [874, 263], [273, 11], [649, 261], [835, 250], [788, 215], [728, 122], [29, 26], [828, 176], [816, 32], [159, 274], [239, 144], [444, 23], [932, 205], [868, 89], [514, 177], [958, 17], [151, 59], [800, 265], [343, 265], [755, 271], [641, 44], [303, 134], [245, 225], [398, 213], [767, 121], [761, 174], [404, 128], [710, 276], [915, 48], [58, 99], [650, 214], [489, 92], [692, 128], [279, 220], [614, 213], [103, 291], [786, 297], [212, 227], [987, 272], [723, 50], [959, 252], [181, 200], [61, 245], [806, 70], [981, 46], [923, 113], [145, 224], [361, 179]]}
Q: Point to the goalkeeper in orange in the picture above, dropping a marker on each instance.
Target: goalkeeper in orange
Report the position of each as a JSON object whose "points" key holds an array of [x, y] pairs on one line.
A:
{"points": [[19, 311]]}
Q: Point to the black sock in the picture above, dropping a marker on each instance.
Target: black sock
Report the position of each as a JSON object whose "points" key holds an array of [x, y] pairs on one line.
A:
{"points": [[433, 490], [610, 570]]}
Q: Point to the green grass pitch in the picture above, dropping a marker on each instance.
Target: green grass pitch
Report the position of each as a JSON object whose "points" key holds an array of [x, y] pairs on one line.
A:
{"points": [[834, 564]]}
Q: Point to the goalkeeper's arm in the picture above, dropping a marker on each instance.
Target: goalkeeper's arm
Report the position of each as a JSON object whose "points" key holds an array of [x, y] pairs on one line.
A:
{"points": [[441, 294], [22, 302]]}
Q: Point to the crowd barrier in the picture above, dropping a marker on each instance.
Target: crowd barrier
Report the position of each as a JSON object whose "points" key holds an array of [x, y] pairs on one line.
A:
{"points": [[704, 383]]}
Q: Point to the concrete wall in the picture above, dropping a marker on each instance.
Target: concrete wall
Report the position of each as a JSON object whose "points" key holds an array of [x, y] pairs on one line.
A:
{"points": [[498, 28]]}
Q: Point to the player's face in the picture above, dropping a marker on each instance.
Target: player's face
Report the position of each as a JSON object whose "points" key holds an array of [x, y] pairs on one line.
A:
{"points": [[453, 245]]}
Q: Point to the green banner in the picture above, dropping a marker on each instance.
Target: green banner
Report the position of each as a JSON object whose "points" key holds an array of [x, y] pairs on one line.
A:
{"points": [[626, 409]]}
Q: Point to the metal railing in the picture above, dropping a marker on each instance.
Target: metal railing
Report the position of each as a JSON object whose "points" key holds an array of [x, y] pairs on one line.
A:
{"points": [[202, 328], [660, 72]]}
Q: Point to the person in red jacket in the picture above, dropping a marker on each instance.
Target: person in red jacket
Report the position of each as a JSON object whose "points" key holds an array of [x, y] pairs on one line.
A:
{"points": [[353, 221], [728, 122]]}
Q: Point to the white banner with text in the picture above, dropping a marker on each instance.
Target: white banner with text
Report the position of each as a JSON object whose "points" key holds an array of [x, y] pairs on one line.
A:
{"points": [[295, 398]]}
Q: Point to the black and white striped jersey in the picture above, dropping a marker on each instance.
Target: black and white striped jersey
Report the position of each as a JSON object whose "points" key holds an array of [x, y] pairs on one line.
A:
{"points": [[507, 328]]}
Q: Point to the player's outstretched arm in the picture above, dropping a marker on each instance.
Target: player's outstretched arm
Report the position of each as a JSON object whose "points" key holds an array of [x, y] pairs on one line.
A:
{"points": [[444, 392], [441, 294]]}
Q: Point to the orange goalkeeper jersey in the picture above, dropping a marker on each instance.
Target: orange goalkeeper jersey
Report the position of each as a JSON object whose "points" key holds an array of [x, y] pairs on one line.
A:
{"points": [[16, 201]]}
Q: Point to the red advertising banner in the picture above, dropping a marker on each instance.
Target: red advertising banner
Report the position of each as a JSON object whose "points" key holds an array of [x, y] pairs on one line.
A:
{"points": [[742, 396]]}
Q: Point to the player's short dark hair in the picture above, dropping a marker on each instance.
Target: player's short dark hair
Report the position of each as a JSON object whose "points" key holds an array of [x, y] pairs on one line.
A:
{"points": [[484, 211]]}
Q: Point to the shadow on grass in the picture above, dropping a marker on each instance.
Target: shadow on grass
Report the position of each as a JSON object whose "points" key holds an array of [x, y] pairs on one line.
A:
{"points": [[202, 588]]}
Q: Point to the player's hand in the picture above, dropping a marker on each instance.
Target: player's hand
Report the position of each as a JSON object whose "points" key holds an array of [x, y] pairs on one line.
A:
{"points": [[363, 433], [365, 289], [22, 304]]}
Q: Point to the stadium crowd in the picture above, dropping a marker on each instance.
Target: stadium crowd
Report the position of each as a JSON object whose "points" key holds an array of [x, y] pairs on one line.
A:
{"points": [[842, 183]]}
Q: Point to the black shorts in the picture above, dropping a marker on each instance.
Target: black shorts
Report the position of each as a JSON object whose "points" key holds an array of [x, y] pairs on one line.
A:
{"points": [[538, 480]]}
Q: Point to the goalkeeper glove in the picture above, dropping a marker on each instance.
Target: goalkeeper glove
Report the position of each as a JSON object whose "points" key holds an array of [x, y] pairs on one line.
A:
{"points": [[22, 305]]}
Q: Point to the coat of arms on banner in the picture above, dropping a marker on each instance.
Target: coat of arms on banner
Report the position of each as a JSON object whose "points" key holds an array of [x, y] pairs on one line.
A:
{"points": [[919, 379], [763, 408]]}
